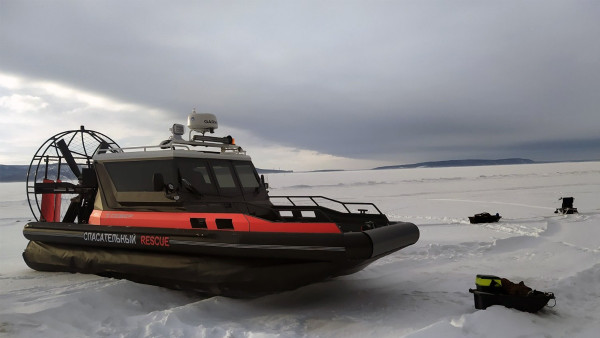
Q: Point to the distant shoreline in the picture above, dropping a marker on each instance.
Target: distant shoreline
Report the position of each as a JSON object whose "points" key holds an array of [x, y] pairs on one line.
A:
{"points": [[18, 173], [459, 163]]}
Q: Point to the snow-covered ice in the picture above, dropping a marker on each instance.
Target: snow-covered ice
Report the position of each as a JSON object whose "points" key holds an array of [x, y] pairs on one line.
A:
{"points": [[420, 291]]}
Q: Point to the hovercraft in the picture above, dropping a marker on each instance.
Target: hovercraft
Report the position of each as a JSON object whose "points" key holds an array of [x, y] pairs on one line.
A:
{"points": [[191, 214]]}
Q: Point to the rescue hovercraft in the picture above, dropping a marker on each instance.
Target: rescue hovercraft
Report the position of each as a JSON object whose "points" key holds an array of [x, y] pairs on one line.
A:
{"points": [[190, 214]]}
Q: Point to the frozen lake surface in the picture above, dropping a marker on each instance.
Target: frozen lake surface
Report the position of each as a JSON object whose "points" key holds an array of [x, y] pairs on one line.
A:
{"points": [[420, 291]]}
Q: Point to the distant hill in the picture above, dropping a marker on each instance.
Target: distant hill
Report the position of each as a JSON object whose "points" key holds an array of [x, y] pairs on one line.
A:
{"points": [[326, 170], [18, 173], [13, 173], [459, 163]]}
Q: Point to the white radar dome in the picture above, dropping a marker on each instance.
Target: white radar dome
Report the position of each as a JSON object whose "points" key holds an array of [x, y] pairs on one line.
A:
{"points": [[202, 122]]}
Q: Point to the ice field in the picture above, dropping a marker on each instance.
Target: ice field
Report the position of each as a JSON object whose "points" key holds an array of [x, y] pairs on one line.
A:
{"points": [[420, 291]]}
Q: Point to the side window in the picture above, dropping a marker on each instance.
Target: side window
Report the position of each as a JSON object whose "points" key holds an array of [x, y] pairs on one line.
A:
{"points": [[246, 175], [224, 176], [137, 175]]}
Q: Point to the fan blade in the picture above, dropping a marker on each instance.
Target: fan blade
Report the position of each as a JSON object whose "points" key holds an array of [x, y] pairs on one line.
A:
{"points": [[66, 153], [72, 210]]}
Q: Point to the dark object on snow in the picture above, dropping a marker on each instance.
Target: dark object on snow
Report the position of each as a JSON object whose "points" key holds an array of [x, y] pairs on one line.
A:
{"points": [[567, 206], [484, 217], [493, 290]]}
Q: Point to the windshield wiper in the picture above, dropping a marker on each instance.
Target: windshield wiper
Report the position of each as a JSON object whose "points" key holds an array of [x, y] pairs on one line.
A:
{"points": [[190, 187]]}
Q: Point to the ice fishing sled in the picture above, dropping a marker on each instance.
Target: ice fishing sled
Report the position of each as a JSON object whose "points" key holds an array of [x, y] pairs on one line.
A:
{"points": [[191, 213], [484, 217], [567, 206], [493, 290]]}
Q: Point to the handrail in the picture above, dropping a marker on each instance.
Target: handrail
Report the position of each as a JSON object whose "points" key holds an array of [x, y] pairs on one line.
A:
{"points": [[312, 198], [148, 148], [179, 144]]}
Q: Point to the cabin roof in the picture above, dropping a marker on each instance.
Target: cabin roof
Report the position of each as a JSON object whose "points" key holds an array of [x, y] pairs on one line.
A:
{"points": [[167, 154]]}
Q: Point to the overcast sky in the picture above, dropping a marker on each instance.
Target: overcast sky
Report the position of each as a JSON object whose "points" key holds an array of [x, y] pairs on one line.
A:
{"points": [[309, 84]]}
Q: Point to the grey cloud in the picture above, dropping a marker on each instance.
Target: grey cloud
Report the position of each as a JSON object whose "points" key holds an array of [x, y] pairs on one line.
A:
{"points": [[360, 79]]}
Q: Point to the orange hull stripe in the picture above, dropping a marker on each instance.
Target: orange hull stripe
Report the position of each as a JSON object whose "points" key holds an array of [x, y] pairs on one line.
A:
{"points": [[181, 220], [262, 225]]}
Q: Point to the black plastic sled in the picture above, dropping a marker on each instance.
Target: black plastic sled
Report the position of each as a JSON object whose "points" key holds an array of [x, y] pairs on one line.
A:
{"points": [[484, 217], [493, 290], [532, 302]]}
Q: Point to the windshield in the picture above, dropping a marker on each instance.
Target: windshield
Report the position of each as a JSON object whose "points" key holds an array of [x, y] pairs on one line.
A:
{"points": [[200, 177], [137, 175]]}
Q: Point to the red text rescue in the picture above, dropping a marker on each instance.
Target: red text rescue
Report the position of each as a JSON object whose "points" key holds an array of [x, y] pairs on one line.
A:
{"points": [[154, 240]]}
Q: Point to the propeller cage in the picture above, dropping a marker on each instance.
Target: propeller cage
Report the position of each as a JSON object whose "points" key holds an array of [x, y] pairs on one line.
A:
{"points": [[61, 181]]}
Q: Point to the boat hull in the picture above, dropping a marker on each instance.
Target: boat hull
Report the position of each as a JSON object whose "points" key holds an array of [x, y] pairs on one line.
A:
{"points": [[214, 262], [233, 277]]}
